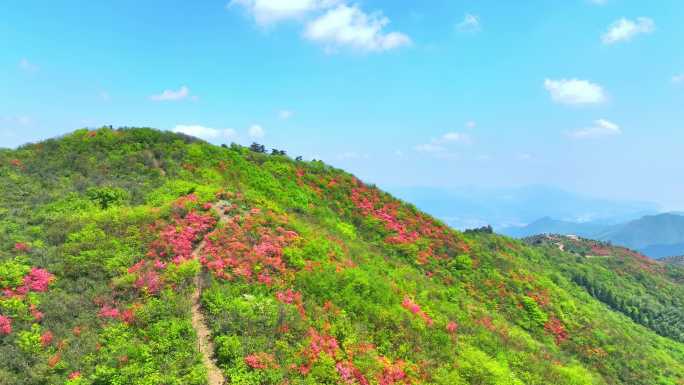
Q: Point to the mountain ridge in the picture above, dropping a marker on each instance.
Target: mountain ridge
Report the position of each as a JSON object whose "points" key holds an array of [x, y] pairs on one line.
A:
{"points": [[657, 236]]}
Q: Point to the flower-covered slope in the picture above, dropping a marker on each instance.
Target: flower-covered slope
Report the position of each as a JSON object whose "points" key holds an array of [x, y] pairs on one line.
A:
{"points": [[307, 276]]}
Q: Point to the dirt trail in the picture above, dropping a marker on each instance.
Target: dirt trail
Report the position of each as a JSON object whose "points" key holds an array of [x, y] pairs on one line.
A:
{"points": [[206, 346]]}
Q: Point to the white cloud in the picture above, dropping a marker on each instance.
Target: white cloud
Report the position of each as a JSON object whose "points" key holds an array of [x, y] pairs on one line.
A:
{"points": [[599, 2], [429, 147], [678, 79], [104, 95], [625, 29], [349, 26], [256, 131], [454, 137], [470, 23], [27, 66], [205, 132], [439, 145], [171, 95], [524, 156], [285, 114], [267, 12], [574, 91], [601, 128], [471, 124], [335, 24]]}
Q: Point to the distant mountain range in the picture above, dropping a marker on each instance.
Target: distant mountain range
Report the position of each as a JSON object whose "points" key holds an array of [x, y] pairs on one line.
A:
{"points": [[469, 207], [656, 236], [678, 260]]}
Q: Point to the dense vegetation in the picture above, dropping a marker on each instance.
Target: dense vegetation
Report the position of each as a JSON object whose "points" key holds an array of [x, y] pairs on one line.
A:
{"points": [[649, 292], [308, 276]]}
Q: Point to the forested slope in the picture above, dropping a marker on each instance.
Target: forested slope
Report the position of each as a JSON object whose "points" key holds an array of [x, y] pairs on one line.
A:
{"points": [[308, 276]]}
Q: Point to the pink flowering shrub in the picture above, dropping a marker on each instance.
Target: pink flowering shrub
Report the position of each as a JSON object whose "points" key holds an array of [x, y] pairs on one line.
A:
{"points": [[149, 282], [5, 325], [392, 373], [248, 246], [108, 312], [318, 343], [38, 280], [175, 244], [414, 308], [260, 361], [112, 312], [407, 226], [74, 375], [35, 313], [21, 281], [350, 374], [176, 240], [46, 339], [185, 201], [368, 201], [556, 328], [322, 343], [291, 297]]}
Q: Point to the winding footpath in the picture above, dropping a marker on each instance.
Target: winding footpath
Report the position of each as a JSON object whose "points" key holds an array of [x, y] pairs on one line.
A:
{"points": [[206, 346]]}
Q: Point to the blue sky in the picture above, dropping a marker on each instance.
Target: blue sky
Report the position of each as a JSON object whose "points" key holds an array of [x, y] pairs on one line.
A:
{"points": [[586, 95]]}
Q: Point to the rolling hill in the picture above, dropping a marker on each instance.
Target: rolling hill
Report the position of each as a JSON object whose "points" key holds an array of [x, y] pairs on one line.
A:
{"points": [[134, 256]]}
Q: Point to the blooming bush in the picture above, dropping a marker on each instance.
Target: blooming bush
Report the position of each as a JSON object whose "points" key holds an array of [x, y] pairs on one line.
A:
{"points": [[414, 308], [5, 325], [246, 247], [260, 361], [21, 247], [350, 374], [38, 280], [46, 339], [555, 327]]}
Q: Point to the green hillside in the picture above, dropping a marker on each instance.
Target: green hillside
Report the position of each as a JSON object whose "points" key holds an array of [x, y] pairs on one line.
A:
{"points": [[651, 293], [119, 247]]}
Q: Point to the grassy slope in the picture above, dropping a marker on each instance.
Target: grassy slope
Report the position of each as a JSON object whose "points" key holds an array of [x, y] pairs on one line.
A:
{"points": [[317, 279]]}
